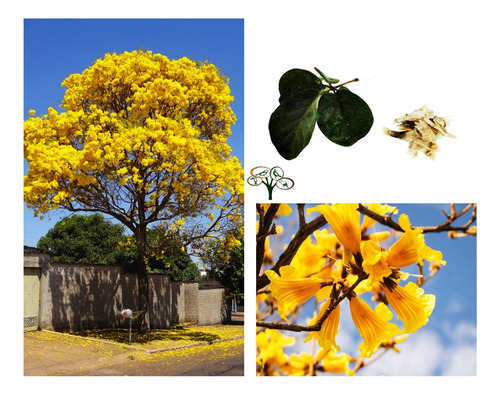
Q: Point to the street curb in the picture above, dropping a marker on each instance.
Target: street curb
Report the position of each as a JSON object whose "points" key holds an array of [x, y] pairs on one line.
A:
{"points": [[188, 345]]}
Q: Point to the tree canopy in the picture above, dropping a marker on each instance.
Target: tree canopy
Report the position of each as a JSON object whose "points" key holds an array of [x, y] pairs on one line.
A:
{"points": [[143, 139]]}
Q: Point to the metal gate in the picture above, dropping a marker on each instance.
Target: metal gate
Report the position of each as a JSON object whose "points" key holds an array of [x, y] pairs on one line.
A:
{"points": [[31, 298]]}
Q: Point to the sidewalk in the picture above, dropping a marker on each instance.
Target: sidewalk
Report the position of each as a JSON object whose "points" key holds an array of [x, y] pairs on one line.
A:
{"points": [[56, 354]]}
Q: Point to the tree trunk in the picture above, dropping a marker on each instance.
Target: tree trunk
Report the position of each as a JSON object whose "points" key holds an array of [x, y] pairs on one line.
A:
{"points": [[270, 191], [142, 281]]}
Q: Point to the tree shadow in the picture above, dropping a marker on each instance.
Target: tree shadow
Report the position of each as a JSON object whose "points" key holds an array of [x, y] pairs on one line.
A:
{"points": [[84, 297], [177, 333]]}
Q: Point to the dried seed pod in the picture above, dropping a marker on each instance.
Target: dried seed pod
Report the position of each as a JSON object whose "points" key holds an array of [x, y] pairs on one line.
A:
{"points": [[421, 129]]}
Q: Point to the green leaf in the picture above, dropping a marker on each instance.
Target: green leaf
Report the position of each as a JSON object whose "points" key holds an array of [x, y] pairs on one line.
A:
{"points": [[291, 125], [297, 82], [344, 117]]}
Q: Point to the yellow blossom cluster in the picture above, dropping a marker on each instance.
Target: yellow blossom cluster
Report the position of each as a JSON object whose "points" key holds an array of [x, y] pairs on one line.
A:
{"points": [[273, 361], [347, 262], [136, 132]]}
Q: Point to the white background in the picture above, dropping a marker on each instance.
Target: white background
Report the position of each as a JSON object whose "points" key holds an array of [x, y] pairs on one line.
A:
{"points": [[406, 54]]}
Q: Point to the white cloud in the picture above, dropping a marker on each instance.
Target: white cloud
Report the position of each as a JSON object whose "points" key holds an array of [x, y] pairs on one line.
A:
{"points": [[420, 355], [460, 361], [454, 306], [426, 353], [463, 332]]}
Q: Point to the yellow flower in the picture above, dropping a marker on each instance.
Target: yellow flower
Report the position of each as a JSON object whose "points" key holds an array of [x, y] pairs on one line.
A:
{"points": [[328, 244], [284, 208], [122, 171], [310, 258], [268, 252], [372, 326], [299, 364], [411, 305], [326, 239], [270, 344], [404, 251], [337, 363], [326, 335], [429, 254], [363, 286], [379, 236], [374, 262], [290, 291], [344, 220], [411, 248]]}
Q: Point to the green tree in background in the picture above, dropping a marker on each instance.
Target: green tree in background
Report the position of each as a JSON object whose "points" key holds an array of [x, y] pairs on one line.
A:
{"points": [[227, 266], [168, 256], [85, 239]]}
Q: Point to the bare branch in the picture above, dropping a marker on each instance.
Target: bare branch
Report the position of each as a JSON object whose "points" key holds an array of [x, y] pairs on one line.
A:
{"points": [[443, 227], [265, 221]]}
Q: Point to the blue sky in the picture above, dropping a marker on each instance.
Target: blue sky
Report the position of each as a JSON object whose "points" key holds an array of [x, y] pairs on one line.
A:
{"points": [[55, 48], [447, 344]]}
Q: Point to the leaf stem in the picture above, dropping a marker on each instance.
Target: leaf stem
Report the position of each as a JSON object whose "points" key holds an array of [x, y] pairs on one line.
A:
{"points": [[329, 80], [345, 83]]}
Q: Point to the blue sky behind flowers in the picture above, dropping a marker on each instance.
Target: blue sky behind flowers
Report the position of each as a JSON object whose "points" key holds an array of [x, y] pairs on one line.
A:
{"points": [[447, 344], [55, 48]]}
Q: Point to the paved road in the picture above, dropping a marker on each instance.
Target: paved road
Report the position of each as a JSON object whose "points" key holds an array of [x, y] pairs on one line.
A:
{"points": [[202, 362]]}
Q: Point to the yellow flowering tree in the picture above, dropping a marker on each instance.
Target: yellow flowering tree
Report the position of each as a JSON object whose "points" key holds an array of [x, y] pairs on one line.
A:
{"points": [[345, 261], [143, 139]]}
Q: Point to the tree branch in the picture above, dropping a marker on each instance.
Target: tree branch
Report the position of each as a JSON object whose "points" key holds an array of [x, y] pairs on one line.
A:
{"points": [[445, 226], [305, 230], [334, 302], [265, 221]]}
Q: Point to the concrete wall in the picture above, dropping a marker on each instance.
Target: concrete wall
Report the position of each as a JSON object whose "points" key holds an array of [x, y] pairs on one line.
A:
{"points": [[76, 297], [212, 305]]}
